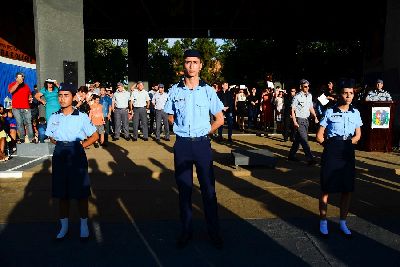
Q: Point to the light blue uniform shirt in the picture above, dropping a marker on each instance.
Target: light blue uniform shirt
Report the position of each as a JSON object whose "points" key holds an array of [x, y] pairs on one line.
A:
{"points": [[73, 127], [339, 123], [191, 108], [301, 104]]}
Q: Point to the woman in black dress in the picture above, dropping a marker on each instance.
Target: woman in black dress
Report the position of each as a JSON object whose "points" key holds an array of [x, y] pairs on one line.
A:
{"points": [[339, 131]]}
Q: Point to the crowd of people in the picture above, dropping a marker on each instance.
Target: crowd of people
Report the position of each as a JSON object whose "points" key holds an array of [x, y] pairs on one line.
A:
{"points": [[89, 115]]}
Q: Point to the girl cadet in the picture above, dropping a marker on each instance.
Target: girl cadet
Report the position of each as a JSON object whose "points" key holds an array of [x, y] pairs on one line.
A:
{"points": [[339, 131], [67, 128]]}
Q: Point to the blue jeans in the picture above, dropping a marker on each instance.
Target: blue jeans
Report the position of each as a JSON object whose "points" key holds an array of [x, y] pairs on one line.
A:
{"points": [[229, 121], [24, 119]]}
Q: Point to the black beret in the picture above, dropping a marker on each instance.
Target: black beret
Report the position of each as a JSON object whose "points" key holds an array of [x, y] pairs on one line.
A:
{"points": [[68, 87], [192, 53], [347, 83]]}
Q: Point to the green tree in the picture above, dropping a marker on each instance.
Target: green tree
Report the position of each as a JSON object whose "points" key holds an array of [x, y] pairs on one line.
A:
{"points": [[106, 60], [160, 63]]}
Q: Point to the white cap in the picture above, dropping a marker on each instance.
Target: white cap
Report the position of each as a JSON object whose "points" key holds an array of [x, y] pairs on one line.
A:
{"points": [[50, 80], [242, 86]]}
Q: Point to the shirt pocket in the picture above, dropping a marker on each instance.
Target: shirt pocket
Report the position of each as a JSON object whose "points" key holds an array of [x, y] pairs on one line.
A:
{"points": [[337, 124], [202, 109]]}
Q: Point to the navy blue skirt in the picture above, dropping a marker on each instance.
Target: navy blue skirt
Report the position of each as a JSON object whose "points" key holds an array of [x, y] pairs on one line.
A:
{"points": [[70, 178], [337, 167]]}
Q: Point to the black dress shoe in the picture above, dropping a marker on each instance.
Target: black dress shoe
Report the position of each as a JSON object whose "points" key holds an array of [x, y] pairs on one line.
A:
{"points": [[84, 239], [145, 139], [217, 241], [183, 240], [61, 239], [115, 138], [312, 162], [325, 236], [134, 139], [127, 138], [167, 139]]}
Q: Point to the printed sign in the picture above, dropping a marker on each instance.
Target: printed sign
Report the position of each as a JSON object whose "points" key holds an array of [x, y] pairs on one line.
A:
{"points": [[380, 117]]}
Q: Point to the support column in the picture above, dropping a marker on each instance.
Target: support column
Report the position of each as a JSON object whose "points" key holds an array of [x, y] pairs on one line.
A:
{"points": [[391, 48], [138, 58], [59, 38]]}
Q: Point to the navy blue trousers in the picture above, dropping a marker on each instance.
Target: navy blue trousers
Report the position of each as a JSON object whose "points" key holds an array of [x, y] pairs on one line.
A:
{"points": [[186, 154]]}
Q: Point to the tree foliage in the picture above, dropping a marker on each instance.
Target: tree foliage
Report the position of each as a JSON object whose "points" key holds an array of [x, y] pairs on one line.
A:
{"points": [[106, 60]]}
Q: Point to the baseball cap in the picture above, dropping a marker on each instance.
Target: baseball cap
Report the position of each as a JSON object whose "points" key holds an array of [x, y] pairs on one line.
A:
{"points": [[379, 81], [120, 84], [304, 81], [161, 85], [242, 86]]}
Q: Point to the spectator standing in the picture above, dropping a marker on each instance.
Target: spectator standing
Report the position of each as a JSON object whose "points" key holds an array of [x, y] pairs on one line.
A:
{"points": [[48, 96], [278, 102], [41, 127], [159, 100], [152, 112], [227, 99], [288, 126], [241, 107], [106, 103], [81, 100], [97, 118], [21, 92], [267, 111], [120, 108], [254, 106], [140, 102]]}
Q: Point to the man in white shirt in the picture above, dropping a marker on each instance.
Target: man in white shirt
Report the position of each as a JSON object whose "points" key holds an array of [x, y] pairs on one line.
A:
{"points": [[120, 108], [140, 102], [159, 100]]}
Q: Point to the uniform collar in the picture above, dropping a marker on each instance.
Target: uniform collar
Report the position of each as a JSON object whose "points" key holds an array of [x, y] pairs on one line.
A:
{"points": [[182, 84], [337, 109], [75, 112]]}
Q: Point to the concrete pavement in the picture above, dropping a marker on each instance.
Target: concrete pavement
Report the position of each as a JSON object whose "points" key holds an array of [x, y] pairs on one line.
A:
{"points": [[268, 216]]}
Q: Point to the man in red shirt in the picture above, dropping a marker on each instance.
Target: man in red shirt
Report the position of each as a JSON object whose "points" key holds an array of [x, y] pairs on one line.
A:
{"points": [[20, 106]]}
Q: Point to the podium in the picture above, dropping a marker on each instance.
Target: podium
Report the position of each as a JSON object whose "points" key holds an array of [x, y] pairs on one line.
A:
{"points": [[377, 129]]}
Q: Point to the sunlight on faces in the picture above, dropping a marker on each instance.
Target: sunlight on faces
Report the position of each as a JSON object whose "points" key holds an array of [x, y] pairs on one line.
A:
{"points": [[192, 66], [65, 98]]}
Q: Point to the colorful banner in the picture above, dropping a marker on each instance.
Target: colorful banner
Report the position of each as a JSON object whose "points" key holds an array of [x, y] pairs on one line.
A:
{"points": [[7, 50], [380, 117]]}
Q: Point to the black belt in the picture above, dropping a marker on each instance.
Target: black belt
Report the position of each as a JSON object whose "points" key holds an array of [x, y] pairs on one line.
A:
{"points": [[122, 108], [67, 143], [199, 138], [340, 137]]}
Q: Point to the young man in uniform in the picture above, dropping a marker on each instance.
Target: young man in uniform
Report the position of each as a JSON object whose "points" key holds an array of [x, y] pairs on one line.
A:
{"points": [[189, 105]]}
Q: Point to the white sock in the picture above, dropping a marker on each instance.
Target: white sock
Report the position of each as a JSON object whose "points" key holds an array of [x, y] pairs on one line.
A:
{"points": [[64, 228], [84, 228], [344, 228], [323, 226]]}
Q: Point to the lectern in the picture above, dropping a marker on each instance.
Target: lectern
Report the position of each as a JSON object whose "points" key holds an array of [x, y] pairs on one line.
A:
{"points": [[377, 129]]}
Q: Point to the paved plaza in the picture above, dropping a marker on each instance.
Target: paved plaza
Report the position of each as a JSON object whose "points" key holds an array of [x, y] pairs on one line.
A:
{"points": [[269, 216]]}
